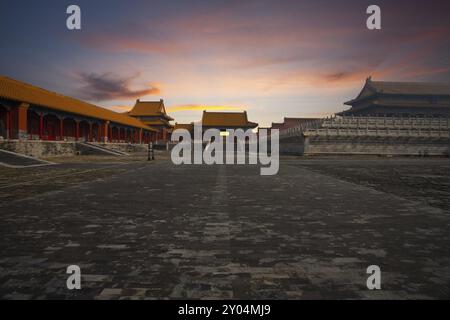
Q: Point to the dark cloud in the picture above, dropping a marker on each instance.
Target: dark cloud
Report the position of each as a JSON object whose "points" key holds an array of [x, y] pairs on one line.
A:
{"points": [[337, 76], [107, 86]]}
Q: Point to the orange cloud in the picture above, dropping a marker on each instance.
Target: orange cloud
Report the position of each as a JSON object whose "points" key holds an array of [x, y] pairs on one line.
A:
{"points": [[191, 107], [424, 71]]}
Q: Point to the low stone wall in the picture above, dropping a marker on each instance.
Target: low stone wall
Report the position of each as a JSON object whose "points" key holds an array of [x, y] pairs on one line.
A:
{"points": [[39, 149], [124, 147], [291, 145], [412, 146], [42, 149]]}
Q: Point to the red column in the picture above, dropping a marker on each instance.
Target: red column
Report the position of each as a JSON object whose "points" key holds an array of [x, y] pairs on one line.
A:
{"points": [[110, 134], [8, 124], [105, 131], [140, 135], [12, 124], [61, 129], [90, 132], [22, 121], [77, 134], [41, 126]]}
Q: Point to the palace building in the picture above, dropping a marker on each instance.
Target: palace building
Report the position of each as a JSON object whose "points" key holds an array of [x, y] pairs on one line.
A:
{"points": [[226, 120], [386, 118], [221, 121], [380, 98], [154, 115], [187, 126], [31, 113], [289, 123]]}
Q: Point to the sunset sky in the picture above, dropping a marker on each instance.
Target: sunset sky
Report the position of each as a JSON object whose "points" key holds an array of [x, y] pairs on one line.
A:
{"points": [[271, 58]]}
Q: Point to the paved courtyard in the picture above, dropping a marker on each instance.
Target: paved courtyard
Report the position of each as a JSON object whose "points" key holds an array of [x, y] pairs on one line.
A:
{"points": [[142, 230]]}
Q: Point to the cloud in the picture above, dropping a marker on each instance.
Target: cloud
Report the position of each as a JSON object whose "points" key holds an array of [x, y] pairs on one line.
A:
{"points": [[108, 86], [120, 43], [190, 107], [337, 76]]}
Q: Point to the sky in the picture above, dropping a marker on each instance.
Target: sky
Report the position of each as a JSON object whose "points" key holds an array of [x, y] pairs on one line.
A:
{"points": [[274, 59]]}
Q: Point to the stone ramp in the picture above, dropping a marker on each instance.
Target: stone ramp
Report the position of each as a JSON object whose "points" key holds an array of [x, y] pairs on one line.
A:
{"points": [[95, 148], [16, 160]]}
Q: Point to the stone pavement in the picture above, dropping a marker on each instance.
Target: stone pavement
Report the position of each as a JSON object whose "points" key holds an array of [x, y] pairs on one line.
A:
{"points": [[160, 231]]}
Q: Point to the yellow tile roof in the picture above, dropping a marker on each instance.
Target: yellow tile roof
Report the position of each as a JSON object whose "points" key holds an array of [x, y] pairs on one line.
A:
{"points": [[149, 109], [187, 126], [23, 92], [157, 122], [227, 119], [372, 88]]}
